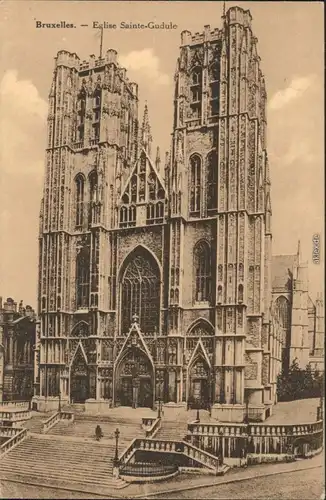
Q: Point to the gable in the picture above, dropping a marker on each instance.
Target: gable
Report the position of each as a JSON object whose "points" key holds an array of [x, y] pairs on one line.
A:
{"points": [[144, 184]]}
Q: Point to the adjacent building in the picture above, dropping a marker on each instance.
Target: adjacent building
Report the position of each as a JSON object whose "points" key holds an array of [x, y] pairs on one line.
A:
{"points": [[17, 341], [301, 318]]}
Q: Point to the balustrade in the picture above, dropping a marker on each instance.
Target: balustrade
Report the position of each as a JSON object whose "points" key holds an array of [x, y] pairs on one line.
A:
{"points": [[153, 429], [16, 404], [19, 436], [15, 415], [51, 421]]}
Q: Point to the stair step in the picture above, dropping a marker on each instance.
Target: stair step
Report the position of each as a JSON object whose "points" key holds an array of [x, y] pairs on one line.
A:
{"points": [[60, 483]]}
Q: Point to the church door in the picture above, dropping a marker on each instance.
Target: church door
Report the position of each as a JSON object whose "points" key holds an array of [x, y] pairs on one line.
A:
{"points": [[133, 380], [199, 388], [146, 393], [79, 379], [126, 393]]}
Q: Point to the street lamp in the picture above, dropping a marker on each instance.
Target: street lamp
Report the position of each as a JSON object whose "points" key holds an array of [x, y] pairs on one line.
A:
{"points": [[159, 408], [116, 456], [59, 403]]}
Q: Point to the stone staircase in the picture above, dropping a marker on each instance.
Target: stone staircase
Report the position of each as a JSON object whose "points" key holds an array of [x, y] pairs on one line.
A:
{"points": [[84, 427], [63, 462], [170, 429], [175, 427], [35, 424]]}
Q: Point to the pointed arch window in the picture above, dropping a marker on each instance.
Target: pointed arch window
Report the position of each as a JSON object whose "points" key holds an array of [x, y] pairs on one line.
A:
{"points": [[141, 293], [195, 185], [284, 312], [196, 76], [80, 193], [92, 194], [81, 115], [196, 92], [211, 170], [202, 271], [82, 278]]}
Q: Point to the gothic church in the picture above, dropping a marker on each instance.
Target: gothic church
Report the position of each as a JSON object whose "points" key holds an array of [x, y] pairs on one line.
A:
{"points": [[155, 277]]}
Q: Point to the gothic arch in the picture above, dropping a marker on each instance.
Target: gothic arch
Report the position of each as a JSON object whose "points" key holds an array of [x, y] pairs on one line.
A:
{"points": [[201, 322], [134, 251], [195, 182], [81, 329], [202, 270], [82, 278], [79, 198], [199, 384], [140, 290], [134, 378], [283, 310], [196, 74]]}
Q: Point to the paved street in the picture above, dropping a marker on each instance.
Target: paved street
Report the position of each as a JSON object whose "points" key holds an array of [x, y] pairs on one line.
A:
{"points": [[307, 485]]}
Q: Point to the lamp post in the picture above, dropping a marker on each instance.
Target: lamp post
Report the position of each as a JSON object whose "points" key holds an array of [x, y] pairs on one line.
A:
{"points": [[159, 408], [116, 455], [59, 403]]}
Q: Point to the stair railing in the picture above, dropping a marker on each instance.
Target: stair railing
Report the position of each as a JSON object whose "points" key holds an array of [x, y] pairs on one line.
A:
{"points": [[129, 451], [13, 441], [154, 428], [55, 418]]}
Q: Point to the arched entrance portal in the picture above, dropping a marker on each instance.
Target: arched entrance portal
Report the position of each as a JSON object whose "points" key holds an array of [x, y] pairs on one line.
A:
{"points": [[79, 378], [134, 380], [199, 384]]}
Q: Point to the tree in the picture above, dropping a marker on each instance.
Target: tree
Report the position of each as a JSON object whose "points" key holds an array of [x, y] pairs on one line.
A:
{"points": [[296, 383]]}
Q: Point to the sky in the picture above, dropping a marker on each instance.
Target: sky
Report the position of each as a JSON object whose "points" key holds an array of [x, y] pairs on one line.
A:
{"points": [[290, 44]]}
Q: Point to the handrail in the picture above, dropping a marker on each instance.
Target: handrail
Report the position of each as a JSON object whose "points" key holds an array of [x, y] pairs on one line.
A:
{"points": [[255, 429], [211, 457], [12, 442], [150, 444], [56, 417], [125, 456], [154, 428], [19, 404]]}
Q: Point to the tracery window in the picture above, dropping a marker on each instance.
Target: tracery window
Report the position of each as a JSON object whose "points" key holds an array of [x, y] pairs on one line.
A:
{"points": [[202, 265], [127, 216], [92, 192], [141, 293], [196, 91], [211, 180], [195, 184], [81, 114], [80, 186], [82, 278], [214, 76], [196, 76], [284, 312], [155, 213]]}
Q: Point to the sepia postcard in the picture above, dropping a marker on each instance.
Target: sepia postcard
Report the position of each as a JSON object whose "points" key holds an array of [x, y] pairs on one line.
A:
{"points": [[162, 249]]}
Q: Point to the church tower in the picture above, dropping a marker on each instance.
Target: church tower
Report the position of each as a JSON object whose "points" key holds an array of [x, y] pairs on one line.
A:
{"points": [[92, 143], [220, 227]]}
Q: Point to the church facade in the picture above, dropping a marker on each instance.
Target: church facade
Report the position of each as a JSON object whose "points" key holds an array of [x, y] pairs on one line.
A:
{"points": [[155, 278]]}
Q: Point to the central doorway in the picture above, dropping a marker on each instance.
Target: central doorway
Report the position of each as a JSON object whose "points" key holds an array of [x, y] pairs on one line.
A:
{"points": [[134, 380]]}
